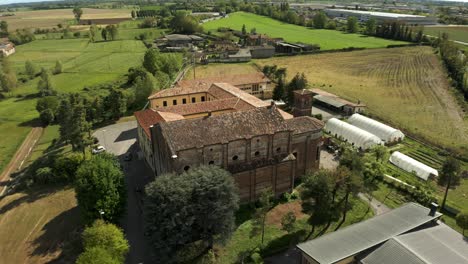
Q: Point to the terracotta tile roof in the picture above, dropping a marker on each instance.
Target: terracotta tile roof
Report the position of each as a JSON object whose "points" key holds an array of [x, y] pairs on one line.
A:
{"points": [[190, 133], [226, 90], [178, 91], [169, 117], [147, 118], [304, 124], [236, 79], [201, 107]]}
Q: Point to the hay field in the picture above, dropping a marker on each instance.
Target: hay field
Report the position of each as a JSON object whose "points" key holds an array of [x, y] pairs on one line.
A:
{"points": [[327, 39], [406, 87], [459, 33], [50, 18], [39, 226]]}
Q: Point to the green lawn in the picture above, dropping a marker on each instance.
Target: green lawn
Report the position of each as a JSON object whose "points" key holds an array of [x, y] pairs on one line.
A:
{"points": [[327, 39], [459, 33], [277, 240], [84, 65]]}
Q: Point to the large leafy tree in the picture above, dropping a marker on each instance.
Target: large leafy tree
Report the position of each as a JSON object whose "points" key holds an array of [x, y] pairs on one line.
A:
{"points": [[144, 86], [462, 220], [265, 203], [352, 24], [77, 12], [45, 84], [317, 197], [450, 176], [198, 205], [278, 92], [107, 236], [30, 69], [8, 79], [320, 20], [115, 103], [100, 187]]}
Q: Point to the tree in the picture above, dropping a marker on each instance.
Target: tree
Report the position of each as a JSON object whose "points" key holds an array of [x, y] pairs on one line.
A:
{"points": [[278, 92], [462, 220], [116, 104], [77, 12], [202, 205], [316, 197], [47, 108], [265, 203], [151, 61], [100, 187], [112, 32], [352, 24], [80, 133], [144, 86], [371, 26], [352, 185], [331, 24], [93, 32], [106, 236], [298, 82], [30, 69], [320, 20], [244, 30], [45, 84], [96, 255], [104, 34], [450, 176], [380, 152], [288, 222], [58, 67], [184, 23], [3, 28], [7, 75], [133, 14]]}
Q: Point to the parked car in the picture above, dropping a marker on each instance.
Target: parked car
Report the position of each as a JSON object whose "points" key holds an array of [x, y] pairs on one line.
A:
{"points": [[98, 149], [128, 157]]}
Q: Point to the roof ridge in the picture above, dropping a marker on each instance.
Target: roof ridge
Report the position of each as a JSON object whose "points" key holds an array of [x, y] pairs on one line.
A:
{"points": [[395, 238]]}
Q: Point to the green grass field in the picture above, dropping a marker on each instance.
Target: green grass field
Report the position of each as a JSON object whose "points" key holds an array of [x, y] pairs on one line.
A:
{"points": [[459, 33], [85, 65], [327, 39]]}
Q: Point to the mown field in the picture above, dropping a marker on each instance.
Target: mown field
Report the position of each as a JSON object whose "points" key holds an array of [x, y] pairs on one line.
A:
{"points": [[85, 65], [38, 226], [459, 33], [50, 18], [327, 39], [405, 87]]}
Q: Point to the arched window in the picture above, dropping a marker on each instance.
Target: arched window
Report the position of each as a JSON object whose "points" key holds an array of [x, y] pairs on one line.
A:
{"points": [[235, 157], [278, 149], [257, 153]]}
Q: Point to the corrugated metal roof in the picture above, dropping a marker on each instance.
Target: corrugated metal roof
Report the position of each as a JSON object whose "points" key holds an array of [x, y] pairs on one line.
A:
{"points": [[435, 245], [353, 239], [329, 100]]}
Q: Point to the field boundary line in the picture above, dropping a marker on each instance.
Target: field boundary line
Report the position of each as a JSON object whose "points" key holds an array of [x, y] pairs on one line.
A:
{"points": [[20, 156]]}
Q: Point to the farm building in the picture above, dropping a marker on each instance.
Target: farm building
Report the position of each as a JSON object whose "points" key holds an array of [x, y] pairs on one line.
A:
{"points": [[409, 164], [7, 48], [408, 234], [336, 103], [381, 16], [354, 135], [384, 132]]}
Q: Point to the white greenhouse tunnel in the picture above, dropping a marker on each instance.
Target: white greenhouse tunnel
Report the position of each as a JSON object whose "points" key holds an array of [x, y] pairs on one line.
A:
{"points": [[384, 132], [354, 135], [409, 164]]}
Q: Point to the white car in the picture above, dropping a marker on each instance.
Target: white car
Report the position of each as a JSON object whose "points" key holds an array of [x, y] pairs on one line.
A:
{"points": [[98, 149]]}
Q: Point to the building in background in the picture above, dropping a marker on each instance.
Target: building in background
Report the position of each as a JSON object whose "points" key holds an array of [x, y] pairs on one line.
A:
{"points": [[381, 17], [7, 48]]}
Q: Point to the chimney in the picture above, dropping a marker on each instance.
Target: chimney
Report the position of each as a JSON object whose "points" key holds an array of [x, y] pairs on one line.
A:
{"points": [[433, 208]]}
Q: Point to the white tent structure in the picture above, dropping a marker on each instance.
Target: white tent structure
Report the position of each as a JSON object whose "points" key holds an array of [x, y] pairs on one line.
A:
{"points": [[354, 135], [384, 132], [409, 164]]}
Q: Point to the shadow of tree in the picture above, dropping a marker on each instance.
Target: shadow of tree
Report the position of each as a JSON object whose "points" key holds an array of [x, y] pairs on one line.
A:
{"points": [[30, 197], [61, 233], [127, 135], [36, 122]]}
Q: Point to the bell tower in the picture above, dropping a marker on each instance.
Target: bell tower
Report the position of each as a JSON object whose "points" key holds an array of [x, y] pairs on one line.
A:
{"points": [[302, 103]]}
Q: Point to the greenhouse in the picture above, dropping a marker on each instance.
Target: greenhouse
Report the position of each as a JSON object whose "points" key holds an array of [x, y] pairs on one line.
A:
{"points": [[411, 165], [354, 135], [384, 132]]}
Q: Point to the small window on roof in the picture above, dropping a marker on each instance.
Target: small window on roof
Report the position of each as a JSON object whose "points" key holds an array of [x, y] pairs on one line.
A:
{"points": [[194, 99], [174, 102], [184, 101], [203, 98]]}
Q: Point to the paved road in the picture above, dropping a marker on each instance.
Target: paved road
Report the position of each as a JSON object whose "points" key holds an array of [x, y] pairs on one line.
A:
{"points": [[20, 157], [120, 139]]}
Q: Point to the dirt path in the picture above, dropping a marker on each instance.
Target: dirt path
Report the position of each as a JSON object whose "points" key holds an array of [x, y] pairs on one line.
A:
{"points": [[20, 157], [378, 207]]}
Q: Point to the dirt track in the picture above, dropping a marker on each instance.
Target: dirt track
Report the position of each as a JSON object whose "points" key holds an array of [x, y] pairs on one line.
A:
{"points": [[20, 156]]}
